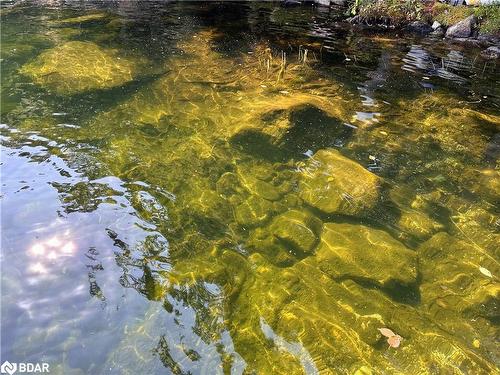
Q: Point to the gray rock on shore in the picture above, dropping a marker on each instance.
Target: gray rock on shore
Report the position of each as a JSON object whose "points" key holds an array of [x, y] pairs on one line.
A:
{"points": [[463, 29], [491, 53]]}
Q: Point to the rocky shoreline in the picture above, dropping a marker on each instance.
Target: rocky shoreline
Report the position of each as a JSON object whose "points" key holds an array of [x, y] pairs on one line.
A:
{"points": [[465, 31]]}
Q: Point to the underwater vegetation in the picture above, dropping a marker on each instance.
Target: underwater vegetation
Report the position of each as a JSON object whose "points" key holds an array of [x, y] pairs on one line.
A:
{"points": [[75, 67], [290, 239]]}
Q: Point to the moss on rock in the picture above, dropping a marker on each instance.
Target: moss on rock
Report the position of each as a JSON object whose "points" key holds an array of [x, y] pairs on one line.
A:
{"points": [[290, 237], [254, 211], [81, 19]]}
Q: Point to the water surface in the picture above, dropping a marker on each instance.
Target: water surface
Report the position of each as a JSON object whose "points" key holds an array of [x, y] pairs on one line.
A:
{"points": [[244, 188]]}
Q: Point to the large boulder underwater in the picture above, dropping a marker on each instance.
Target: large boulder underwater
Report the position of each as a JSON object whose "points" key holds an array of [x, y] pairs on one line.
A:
{"points": [[335, 184], [357, 252], [76, 66]]}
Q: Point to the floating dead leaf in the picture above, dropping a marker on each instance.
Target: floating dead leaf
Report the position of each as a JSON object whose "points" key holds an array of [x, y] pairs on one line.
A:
{"points": [[386, 332], [394, 340]]}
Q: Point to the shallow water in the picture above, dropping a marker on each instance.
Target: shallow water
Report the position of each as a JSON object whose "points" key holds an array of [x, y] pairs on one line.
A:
{"points": [[244, 188]]}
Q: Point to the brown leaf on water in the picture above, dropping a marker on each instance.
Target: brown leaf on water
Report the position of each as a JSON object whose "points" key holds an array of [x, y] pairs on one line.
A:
{"points": [[394, 341], [386, 332]]}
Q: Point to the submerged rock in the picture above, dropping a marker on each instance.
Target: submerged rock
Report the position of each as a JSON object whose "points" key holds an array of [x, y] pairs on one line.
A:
{"points": [[75, 67], [291, 236], [299, 229], [295, 320], [357, 252], [486, 183], [253, 211], [478, 225], [457, 278], [259, 187], [335, 184], [418, 224], [81, 19], [463, 29]]}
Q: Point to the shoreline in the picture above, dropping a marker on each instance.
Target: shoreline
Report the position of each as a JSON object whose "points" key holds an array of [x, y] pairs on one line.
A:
{"points": [[475, 26]]}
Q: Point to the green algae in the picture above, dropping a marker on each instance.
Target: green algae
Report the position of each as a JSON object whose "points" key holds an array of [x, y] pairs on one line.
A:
{"points": [[448, 290], [418, 224], [298, 229], [306, 292], [212, 94], [75, 67]]}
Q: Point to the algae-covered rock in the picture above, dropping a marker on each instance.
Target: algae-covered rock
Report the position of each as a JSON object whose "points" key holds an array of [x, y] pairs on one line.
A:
{"points": [[275, 251], [474, 222], [75, 67], [418, 224], [458, 277], [228, 185], [457, 129], [486, 183], [258, 185], [479, 226], [411, 218], [253, 211], [438, 144], [290, 237], [337, 185], [296, 320], [218, 98], [81, 19], [359, 252], [299, 229], [16, 50]]}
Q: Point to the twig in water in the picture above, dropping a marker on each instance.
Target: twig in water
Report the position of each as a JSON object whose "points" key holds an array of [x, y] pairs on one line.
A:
{"points": [[281, 73]]}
